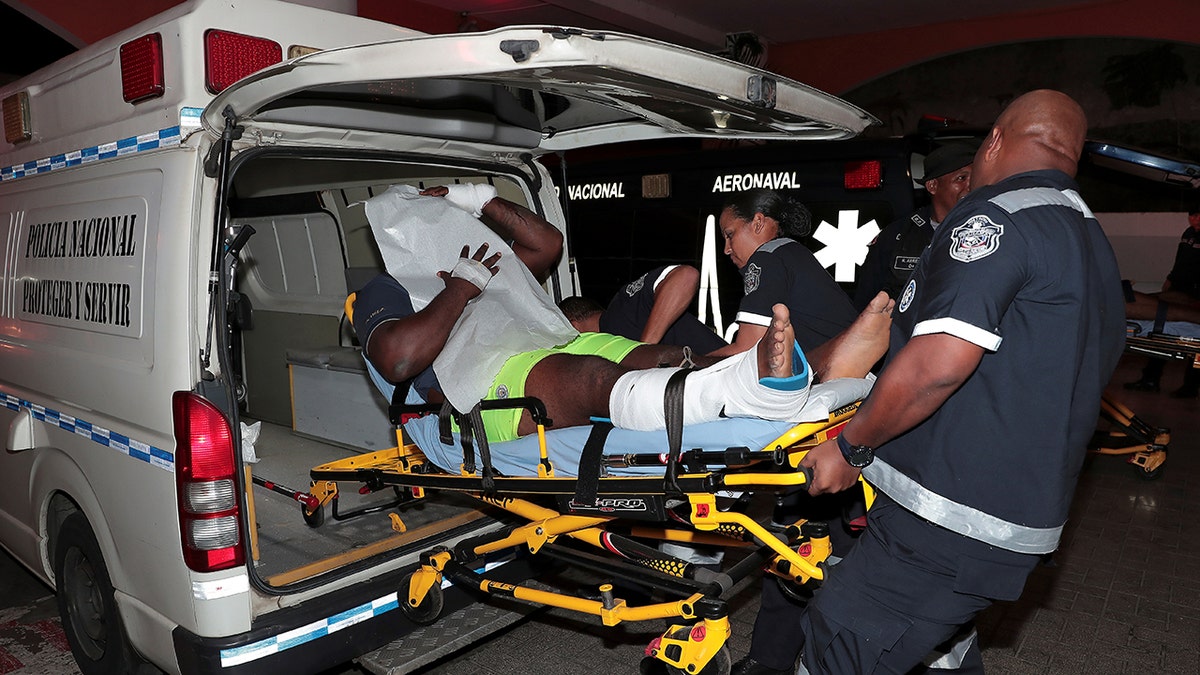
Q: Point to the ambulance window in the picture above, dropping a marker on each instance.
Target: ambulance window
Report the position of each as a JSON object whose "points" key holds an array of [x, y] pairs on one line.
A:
{"points": [[296, 256]]}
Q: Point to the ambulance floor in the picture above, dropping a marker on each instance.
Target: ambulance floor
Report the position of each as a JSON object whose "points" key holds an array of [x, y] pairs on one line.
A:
{"points": [[286, 543], [1123, 595]]}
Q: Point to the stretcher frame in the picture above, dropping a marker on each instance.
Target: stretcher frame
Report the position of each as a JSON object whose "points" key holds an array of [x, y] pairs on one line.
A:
{"points": [[679, 506], [1131, 435]]}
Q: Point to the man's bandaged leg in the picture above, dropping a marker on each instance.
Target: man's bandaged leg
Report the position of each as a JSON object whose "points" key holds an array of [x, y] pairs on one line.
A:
{"points": [[730, 388]]}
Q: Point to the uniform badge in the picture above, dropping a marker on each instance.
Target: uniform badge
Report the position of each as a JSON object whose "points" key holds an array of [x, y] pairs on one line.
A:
{"points": [[635, 286], [753, 276], [975, 239], [906, 298], [502, 391]]}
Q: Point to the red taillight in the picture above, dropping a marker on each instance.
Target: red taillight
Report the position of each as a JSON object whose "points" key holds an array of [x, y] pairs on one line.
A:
{"points": [[228, 57], [865, 175], [206, 479], [142, 68]]}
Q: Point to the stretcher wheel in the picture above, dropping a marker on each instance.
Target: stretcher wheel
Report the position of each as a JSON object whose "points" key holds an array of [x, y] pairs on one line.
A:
{"points": [[720, 664], [431, 605], [799, 593], [1152, 474], [314, 519]]}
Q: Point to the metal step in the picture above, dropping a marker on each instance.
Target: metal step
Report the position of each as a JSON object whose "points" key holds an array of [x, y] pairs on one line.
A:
{"points": [[451, 633]]}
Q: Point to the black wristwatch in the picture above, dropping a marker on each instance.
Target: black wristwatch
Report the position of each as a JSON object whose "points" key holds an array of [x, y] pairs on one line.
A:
{"points": [[857, 456]]}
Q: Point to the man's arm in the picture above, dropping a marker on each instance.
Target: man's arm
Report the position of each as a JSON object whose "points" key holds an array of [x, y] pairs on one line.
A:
{"points": [[672, 297], [536, 242], [401, 349], [914, 385]]}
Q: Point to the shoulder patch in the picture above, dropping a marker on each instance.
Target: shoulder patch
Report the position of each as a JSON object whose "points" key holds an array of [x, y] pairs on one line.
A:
{"points": [[752, 278], [975, 239], [906, 298], [635, 286]]}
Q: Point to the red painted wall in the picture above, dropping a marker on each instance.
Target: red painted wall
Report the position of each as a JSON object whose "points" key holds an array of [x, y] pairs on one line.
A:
{"points": [[834, 64]]}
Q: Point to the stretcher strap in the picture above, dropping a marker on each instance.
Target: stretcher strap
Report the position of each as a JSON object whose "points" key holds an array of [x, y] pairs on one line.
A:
{"points": [[445, 431], [587, 483], [1160, 317], [673, 413], [485, 452]]}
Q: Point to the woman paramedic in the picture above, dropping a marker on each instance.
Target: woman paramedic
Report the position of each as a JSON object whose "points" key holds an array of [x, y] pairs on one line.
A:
{"points": [[761, 229]]}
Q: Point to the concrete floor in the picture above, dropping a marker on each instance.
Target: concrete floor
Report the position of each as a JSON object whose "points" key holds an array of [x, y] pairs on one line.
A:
{"points": [[1123, 596]]}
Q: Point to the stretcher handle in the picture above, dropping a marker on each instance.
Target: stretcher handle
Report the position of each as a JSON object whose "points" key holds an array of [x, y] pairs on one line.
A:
{"points": [[537, 409]]}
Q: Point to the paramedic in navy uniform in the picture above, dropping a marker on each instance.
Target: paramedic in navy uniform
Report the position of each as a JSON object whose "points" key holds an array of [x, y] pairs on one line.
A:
{"points": [[894, 253], [761, 229], [1002, 343], [651, 309]]}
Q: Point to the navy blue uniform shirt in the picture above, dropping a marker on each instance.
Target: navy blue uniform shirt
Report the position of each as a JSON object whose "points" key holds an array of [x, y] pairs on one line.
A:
{"points": [[1022, 269], [784, 270]]}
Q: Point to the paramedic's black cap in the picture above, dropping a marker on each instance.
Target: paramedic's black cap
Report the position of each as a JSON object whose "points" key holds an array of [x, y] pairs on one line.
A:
{"points": [[947, 158]]}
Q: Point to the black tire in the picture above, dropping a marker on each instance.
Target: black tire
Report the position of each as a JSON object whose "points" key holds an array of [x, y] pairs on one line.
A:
{"points": [[86, 604], [1148, 475], [720, 664], [431, 605], [314, 519]]}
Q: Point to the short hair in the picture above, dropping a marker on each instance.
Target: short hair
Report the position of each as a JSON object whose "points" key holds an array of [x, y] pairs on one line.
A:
{"points": [[578, 308], [794, 218]]}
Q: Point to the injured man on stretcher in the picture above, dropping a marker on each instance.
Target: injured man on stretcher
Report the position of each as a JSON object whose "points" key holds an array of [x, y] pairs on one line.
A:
{"points": [[461, 315]]}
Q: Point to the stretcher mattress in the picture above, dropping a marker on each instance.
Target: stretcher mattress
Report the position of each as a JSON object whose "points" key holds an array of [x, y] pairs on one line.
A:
{"points": [[1180, 328], [564, 446]]}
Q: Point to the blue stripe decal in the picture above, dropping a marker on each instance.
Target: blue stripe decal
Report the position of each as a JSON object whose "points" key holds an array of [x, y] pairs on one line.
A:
{"points": [[126, 445], [163, 138], [320, 628]]}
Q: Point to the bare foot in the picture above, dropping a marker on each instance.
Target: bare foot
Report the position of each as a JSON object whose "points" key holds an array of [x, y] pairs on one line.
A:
{"points": [[775, 348], [856, 349]]}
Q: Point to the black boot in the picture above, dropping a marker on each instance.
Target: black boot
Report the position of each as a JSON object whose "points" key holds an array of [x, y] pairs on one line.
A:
{"points": [[1142, 384]]}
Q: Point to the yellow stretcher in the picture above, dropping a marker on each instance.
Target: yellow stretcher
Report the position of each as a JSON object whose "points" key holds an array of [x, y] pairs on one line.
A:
{"points": [[1128, 434], [614, 532]]}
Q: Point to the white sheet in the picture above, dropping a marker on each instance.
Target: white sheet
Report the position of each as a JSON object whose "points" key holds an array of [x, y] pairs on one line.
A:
{"points": [[420, 236]]}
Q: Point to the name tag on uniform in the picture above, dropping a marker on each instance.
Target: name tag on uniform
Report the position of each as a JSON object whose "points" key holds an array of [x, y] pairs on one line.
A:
{"points": [[904, 263]]}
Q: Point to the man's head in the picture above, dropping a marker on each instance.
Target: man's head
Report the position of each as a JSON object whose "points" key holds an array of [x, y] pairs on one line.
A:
{"points": [[1043, 129], [947, 176], [583, 313], [1194, 216]]}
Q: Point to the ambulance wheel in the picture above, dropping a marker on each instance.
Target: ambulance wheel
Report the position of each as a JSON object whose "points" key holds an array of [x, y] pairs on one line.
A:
{"points": [[431, 605], [86, 604], [314, 519]]}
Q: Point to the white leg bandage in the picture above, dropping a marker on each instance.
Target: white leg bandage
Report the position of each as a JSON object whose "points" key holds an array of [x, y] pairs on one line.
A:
{"points": [[730, 387]]}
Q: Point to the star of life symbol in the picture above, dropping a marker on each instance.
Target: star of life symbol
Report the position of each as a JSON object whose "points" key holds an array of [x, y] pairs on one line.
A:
{"points": [[977, 238], [846, 245]]}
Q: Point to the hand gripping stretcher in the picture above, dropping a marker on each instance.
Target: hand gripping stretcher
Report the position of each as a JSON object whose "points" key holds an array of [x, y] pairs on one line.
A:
{"points": [[603, 511]]}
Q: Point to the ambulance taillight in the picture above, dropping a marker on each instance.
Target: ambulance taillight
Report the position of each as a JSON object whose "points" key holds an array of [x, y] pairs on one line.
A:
{"points": [[205, 474], [228, 57], [863, 175], [142, 69]]}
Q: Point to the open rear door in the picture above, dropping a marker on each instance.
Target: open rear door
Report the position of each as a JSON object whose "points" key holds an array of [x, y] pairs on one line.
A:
{"points": [[527, 89]]}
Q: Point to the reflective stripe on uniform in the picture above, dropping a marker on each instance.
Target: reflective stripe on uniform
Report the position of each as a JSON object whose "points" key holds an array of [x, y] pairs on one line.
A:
{"points": [[965, 520], [1018, 200]]}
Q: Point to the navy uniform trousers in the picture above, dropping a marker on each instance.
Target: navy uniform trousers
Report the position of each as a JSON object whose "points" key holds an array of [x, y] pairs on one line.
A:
{"points": [[905, 588]]}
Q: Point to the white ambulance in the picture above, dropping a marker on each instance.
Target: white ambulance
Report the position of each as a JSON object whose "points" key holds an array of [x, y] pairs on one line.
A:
{"points": [[181, 226]]}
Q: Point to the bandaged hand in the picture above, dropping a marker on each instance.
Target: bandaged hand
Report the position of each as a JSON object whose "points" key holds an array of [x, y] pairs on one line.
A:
{"points": [[474, 269], [470, 197]]}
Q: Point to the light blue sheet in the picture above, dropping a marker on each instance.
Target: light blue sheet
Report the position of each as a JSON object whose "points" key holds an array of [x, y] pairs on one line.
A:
{"points": [[1180, 328], [564, 446]]}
